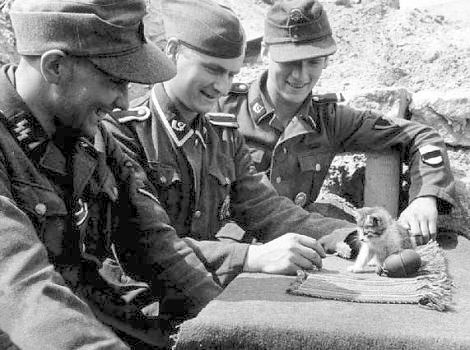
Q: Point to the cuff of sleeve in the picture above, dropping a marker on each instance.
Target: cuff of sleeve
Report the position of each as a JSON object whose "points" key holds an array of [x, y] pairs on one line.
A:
{"points": [[444, 195], [235, 264]]}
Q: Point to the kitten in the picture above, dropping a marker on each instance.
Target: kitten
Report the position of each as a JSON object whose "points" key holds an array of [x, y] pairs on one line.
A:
{"points": [[380, 235]]}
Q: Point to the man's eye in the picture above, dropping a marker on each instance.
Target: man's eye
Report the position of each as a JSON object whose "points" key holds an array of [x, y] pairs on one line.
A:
{"points": [[316, 61]]}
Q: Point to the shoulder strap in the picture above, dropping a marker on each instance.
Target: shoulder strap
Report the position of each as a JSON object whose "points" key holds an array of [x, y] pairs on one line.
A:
{"points": [[328, 98], [228, 120], [239, 88]]}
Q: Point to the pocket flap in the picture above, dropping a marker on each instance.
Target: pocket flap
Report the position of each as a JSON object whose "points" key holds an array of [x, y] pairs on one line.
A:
{"points": [[165, 174], [221, 178], [307, 162], [38, 200]]}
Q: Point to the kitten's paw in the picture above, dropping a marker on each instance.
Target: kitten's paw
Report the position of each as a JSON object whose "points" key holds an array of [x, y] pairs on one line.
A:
{"points": [[355, 269]]}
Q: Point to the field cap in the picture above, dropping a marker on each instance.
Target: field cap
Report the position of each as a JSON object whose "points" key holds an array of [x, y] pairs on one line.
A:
{"points": [[205, 26], [107, 32], [298, 29]]}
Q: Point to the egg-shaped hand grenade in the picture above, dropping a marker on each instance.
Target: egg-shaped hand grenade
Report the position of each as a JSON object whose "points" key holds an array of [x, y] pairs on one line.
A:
{"points": [[402, 264]]}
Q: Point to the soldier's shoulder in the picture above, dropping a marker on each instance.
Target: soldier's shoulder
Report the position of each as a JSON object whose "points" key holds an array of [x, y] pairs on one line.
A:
{"points": [[332, 97], [228, 120], [138, 111], [237, 94]]}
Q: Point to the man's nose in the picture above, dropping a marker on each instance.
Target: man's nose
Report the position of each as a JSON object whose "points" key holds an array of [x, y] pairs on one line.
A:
{"points": [[223, 84], [300, 71]]}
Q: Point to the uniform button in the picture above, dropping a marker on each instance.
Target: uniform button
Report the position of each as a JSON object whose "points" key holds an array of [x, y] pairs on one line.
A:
{"points": [[242, 86], [197, 214], [318, 167], [284, 150], [163, 179], [40, 208], [278, 179], [141, 111], [196, 142]]}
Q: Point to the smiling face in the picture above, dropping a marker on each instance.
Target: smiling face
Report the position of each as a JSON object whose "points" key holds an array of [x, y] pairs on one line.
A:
{"points": [[201, 79], [86, 96], [293, 81]]}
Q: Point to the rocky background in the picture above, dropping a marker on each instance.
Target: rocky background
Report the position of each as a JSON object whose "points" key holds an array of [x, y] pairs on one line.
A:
{"points": [[384, 46]]}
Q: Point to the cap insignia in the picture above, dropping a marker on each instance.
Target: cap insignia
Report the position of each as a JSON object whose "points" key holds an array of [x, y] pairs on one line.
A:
{"points": [[297, 17]]}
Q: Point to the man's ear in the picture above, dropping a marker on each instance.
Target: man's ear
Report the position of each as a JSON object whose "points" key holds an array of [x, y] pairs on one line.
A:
{"points": [[264, 54], [172, 49], [53, 64]]}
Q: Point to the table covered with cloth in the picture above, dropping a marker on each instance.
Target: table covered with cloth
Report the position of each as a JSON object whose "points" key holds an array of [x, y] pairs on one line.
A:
{"points": [[255, 312]]}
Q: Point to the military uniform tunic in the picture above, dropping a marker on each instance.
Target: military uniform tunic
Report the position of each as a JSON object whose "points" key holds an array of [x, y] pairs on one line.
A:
{"points": [[297, 157], [79, 211], [205, 178]]}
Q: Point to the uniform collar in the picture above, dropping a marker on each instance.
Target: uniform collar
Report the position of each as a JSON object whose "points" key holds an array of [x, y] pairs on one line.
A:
{"points": [[178, 125], [262, 109], [32, 138], [24, 127]]}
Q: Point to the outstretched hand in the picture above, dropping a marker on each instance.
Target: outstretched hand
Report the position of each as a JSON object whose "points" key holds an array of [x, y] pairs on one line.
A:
{"points": [[285, 255], [420, 218]]}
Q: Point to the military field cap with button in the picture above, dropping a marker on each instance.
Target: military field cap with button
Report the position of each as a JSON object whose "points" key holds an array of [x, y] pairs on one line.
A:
{"points": [[205, 26], [108, 32], [298, 29]]}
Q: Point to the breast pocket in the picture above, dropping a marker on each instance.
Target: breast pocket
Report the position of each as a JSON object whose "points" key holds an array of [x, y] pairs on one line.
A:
{"points": [[313, 170], [220, 187], [47, 212], [168, 182]]}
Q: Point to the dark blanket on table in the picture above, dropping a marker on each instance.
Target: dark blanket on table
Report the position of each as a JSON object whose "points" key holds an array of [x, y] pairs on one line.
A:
{"points": [[255, 312]]}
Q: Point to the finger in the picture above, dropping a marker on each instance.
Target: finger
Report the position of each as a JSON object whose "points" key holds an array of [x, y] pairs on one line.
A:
{"points": [[425, 231], [403, 221], [415, 229], [303, 263], [307, 263], [418, 239], [313, 244], [433, 229], [310, 255]]}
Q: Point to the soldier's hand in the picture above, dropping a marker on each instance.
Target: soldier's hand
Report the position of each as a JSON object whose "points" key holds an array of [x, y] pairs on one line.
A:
{"points": [[285, 255], [420, 218]]}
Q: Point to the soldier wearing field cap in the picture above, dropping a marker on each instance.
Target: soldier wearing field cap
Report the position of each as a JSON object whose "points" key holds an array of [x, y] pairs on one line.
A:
{"points": [[294, 134], [199, 162], [85, 248]]}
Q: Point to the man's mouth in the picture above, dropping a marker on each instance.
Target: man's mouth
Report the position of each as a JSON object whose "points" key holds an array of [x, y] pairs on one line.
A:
{"points": [[297, 85], [209, 96]]}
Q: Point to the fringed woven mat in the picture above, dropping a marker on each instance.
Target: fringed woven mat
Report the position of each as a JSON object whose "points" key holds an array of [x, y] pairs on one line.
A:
{"points": [[431, 287]]}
